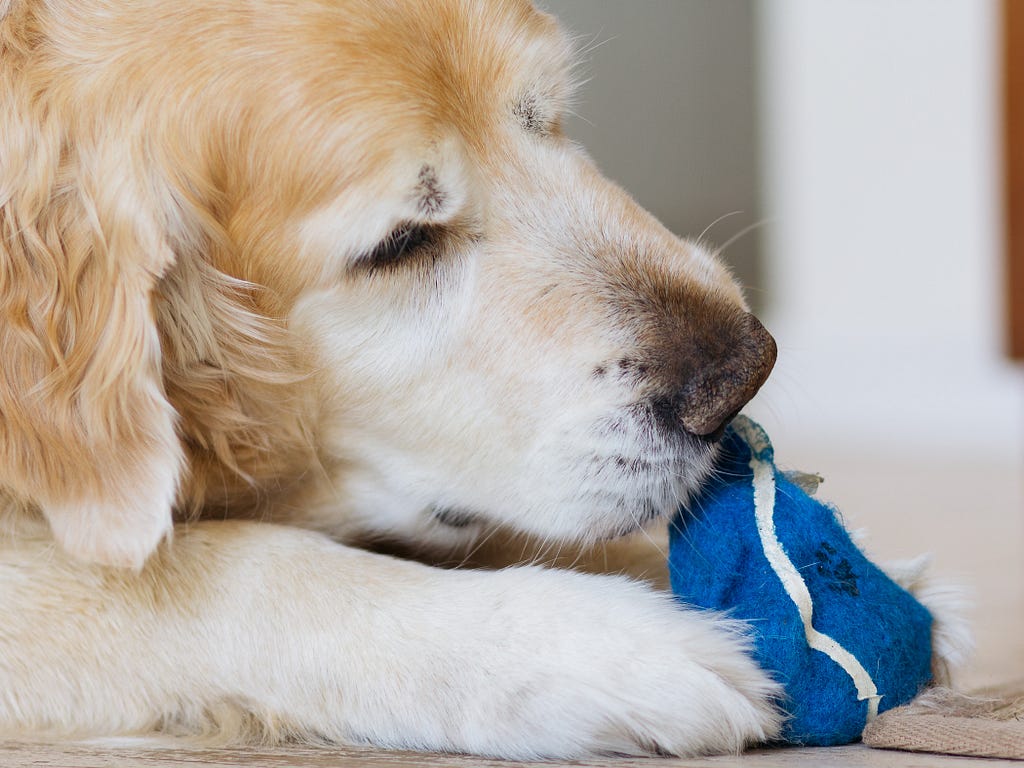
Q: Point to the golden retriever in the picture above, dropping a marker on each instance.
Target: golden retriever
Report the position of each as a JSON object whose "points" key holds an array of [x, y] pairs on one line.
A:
{"points": [[283, 279]]}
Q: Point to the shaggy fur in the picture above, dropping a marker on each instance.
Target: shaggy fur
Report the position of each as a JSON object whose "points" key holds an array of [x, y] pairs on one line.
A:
{"points": [[287, 276]]}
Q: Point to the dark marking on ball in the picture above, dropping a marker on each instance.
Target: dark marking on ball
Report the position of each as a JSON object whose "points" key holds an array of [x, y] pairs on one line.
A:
{"points": [[841, 576]]}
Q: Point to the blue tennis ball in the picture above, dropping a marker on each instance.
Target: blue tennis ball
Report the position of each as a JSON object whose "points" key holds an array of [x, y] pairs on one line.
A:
{"points": [[844, 640]]}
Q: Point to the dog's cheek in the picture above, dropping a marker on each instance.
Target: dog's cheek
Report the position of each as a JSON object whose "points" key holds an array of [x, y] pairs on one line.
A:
{"points": [[371, 338]]}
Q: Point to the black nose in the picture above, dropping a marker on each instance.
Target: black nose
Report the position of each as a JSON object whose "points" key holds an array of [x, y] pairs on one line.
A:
{"points": [[726, 373]]}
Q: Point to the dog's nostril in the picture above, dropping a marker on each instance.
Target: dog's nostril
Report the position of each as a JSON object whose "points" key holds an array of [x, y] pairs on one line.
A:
{"points": [[726, 381], [714, 437], [668, 413]]}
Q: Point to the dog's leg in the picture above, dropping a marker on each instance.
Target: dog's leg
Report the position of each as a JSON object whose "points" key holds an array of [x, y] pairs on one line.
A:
{"points": [[239, 624]]}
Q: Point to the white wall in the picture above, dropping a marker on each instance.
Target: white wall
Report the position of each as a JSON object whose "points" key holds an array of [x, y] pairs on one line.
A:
{"points": [[881, 178]]}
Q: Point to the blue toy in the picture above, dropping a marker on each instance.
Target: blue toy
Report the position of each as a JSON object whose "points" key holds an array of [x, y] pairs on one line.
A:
{"points": [[845, 641]]}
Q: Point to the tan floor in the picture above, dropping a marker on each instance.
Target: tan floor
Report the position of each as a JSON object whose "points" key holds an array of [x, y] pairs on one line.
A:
{"points": [[854, 756]]}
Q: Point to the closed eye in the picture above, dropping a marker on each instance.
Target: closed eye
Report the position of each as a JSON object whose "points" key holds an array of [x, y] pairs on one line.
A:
{"points": [[407, 242]]}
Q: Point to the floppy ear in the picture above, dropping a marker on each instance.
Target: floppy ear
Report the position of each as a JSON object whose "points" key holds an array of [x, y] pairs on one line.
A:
{"points": [[86, 432]]}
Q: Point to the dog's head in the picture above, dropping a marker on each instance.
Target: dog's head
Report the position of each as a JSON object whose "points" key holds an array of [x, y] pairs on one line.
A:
{"points": [[481, 327]]}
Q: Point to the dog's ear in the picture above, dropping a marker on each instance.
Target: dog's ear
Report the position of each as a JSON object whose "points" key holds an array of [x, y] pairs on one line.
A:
{"points": [[86, 432]]}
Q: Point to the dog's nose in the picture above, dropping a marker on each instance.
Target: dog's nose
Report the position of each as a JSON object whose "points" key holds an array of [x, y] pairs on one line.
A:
{"points": [[732, 369]]}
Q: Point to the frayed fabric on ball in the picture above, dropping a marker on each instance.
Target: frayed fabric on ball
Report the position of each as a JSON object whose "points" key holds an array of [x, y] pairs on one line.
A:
{"points": [[844, 640]]}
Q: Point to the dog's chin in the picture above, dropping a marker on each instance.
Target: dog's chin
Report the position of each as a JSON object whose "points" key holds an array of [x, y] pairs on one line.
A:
{"points": [[612, 495], [639, 498], [580, 487]]}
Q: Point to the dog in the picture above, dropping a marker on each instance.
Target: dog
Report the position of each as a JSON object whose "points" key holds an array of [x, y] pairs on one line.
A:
{"points": [[290, 284]]}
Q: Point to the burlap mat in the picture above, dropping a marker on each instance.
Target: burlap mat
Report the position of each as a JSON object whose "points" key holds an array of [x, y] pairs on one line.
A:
{"points": [[988, 724]]}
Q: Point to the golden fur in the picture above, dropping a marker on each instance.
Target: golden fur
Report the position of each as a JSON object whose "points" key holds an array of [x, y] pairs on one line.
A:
{"points": [[208, 311]]}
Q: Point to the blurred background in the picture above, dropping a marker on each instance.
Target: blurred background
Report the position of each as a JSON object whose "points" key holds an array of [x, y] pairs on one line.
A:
{"points": [[849, 157]]}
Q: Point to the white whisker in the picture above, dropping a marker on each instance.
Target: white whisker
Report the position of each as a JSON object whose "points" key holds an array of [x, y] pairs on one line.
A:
{"points": [[745, 231], [707, 229]]}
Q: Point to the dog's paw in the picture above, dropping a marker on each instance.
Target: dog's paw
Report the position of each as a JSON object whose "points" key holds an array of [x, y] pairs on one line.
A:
{"points": [[573, 664]]}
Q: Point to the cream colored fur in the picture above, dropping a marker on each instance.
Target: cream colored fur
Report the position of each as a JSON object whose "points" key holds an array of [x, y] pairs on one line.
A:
{"points": [[193, 330]]}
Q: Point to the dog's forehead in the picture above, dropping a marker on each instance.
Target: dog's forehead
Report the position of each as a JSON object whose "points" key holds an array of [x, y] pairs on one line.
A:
{"points": [[441, 66], [395, 93], [380, 111], [317, 73]]}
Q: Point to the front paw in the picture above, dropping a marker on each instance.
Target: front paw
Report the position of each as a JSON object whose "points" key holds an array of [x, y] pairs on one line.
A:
{"points": [[569, 664]]}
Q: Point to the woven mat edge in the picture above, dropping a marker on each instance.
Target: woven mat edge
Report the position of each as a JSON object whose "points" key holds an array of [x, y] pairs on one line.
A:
{"points": [[949, 735]]}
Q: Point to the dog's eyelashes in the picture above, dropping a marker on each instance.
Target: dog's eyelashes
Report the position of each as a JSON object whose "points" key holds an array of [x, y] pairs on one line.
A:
{"points": [[406, 242]]}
